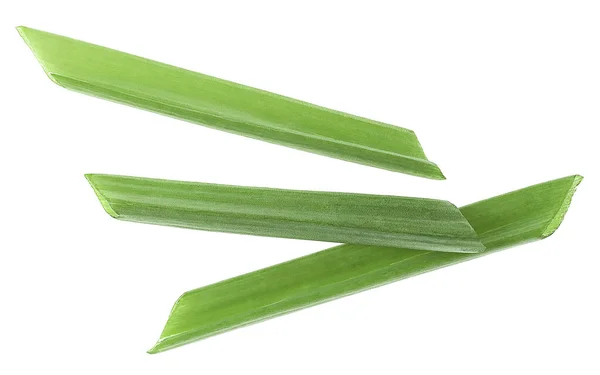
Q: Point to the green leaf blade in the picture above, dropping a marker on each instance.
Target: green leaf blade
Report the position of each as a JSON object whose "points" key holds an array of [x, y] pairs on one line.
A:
{"points": [[227, 106], [532, 212], [349, 269], [311, 215]]}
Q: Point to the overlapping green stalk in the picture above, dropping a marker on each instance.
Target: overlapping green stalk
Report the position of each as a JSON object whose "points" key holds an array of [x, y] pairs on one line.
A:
{"points": [[387, 238], [507, 220], [416, 223], [228, 106]]}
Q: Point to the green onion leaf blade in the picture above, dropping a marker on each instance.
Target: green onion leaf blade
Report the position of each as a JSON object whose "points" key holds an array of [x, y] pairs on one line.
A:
{"points": [[508, 220], [225, 105], [403, 222]]}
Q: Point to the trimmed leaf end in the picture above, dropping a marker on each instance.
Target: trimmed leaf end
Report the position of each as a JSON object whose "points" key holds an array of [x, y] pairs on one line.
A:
{"points": [[437, 174], [160, 347], [105, 203], [169, 340], [564, 207], [29, 36], [154, 349]]}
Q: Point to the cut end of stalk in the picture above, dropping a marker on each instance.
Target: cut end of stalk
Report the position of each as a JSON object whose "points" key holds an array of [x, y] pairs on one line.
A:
{"points": [[105, 203], [564, 207], [434, 172], [437, 173], [154, 349], [166, 343], [169, 340], [30, 36], [159, 347], [23, 32]]}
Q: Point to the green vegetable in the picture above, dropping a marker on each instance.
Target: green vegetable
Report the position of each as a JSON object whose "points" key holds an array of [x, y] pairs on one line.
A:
{"points": [[515, 218], [225, 105], [416, 223]]}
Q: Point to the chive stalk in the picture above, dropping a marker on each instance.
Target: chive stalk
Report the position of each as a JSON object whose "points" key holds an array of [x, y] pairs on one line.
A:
{"points": [[512, 219], [225, 105], [416, 223]]}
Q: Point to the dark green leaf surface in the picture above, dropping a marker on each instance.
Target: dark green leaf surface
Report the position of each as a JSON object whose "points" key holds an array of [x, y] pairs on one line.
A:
{"points": [[415, 223], [225, 105], [515, 218]]}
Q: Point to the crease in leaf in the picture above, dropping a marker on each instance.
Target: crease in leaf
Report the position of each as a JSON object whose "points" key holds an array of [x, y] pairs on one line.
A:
{"points": [[347, 269], [227, 106], [418, 223]]}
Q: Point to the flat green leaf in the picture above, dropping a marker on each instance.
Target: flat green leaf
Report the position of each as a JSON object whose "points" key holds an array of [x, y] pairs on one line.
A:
{"points": [[416, 223], [227, 106], [515, 218]]}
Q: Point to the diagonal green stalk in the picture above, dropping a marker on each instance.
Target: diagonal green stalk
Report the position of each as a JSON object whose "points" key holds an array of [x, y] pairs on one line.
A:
{"points": [[228, 106], [416, 223], [508, 220]]}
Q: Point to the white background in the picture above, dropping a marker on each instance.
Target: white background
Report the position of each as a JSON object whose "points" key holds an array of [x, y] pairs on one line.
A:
{"points": [[502, 94]]}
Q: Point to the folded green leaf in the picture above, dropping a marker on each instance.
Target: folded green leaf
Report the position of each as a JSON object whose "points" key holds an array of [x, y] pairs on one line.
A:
{"points": [[227, 106], [416, 223], [515, 218]]}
